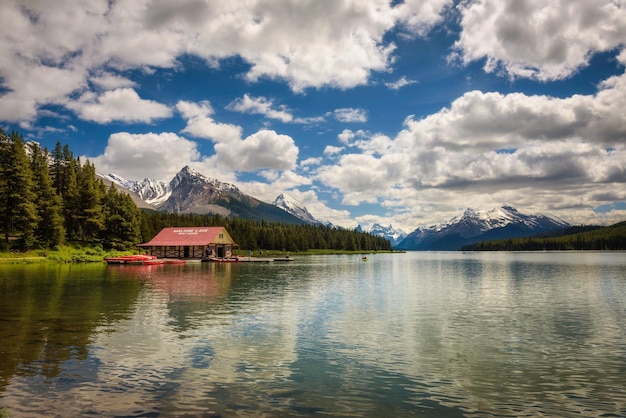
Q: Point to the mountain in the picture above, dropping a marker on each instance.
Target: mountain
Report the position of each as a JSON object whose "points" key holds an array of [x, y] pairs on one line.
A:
{"points": [[395, 236], [192, 192], [292, 206], [479, 225], [123, 185]]}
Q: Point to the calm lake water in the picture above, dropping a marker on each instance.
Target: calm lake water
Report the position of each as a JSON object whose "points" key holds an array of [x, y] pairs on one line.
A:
{"points": [[400, 335]]}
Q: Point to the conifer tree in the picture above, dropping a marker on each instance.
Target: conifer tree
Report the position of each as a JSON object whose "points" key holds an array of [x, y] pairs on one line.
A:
{"points": [[90, 193], [58, 168], [49, 231], [17, 207], [70, 197], [122, 220]]}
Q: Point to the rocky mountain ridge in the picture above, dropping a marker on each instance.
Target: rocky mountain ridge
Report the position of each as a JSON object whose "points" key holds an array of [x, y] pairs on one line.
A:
{"points": [[477, 225]]}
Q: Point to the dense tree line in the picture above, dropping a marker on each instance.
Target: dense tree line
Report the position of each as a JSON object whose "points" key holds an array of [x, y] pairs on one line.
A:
{"points": [[255, 235], [51, 198], [600, 239]]}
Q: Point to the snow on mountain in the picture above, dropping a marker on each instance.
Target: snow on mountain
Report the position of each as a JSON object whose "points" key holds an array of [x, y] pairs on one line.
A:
{"points": [[150, 191], [395, 236], [292, 206], [477, 225], [191, 175]]}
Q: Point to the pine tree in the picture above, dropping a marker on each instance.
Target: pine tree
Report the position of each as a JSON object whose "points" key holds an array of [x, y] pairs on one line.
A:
{"points": [[17, 207], [90, 215], [70, 197], [122, 220], [49, 231]]}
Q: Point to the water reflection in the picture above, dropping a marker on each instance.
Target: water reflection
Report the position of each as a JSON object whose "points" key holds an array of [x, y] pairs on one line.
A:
{"points": [[48, 314], [426, 334]]}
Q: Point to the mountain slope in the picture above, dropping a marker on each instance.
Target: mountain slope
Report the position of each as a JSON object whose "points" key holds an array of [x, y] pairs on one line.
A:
{"points": [[292, 206], [192, 192], [478, 225], [395, 236]]}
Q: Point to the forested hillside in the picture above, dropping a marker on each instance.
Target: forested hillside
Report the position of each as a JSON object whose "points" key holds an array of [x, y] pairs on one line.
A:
{"points": [[52, 198], [598, 238]]}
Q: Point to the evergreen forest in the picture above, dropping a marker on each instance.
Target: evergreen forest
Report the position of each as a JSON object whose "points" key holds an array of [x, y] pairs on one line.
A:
{"points": [[52, 198], [611, 237]]}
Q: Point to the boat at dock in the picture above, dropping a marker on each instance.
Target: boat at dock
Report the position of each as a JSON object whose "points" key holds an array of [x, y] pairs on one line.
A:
{"points": [[143, 259], [130, 259]]}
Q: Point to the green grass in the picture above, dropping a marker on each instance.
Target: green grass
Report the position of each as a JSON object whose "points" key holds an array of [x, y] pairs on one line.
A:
{"points": [[90, 254], [64, 254]]}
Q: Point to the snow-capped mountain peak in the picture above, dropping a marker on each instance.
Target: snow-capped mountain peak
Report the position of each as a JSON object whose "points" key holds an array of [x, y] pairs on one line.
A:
{"points": [[193, 176], [395, 236], [477, 225], [292, 206]]}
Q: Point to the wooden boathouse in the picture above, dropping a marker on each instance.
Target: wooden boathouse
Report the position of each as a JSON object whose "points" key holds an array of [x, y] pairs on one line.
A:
{"points": [[191, 243]]}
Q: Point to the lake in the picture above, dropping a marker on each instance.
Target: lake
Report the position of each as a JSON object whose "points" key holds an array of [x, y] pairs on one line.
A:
{"points": [[445, 334]]}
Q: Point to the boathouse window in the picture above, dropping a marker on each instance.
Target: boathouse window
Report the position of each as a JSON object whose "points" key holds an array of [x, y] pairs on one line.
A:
{"points": [[221, 235]]}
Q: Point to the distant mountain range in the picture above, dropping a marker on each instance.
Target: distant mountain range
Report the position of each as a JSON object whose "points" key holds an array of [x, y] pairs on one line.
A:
{"points": [[192, 192], [480, 225]]}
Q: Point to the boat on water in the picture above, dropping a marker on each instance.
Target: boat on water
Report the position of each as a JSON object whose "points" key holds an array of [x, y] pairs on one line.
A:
{"points": [[130, 259], [286, 258], [142, 259], [174, 261], [225, 260]]}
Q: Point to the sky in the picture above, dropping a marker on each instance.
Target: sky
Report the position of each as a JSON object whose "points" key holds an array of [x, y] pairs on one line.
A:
{"points": [[365, 111]]}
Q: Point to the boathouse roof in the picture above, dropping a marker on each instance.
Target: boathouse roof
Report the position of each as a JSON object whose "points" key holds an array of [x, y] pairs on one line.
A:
{"points": [[190, 236]]}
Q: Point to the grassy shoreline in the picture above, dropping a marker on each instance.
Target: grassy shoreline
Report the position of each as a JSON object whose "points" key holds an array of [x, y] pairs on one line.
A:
{"points": [[75, 254]]}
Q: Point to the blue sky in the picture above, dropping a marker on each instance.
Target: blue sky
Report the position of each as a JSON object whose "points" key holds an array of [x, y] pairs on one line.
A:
{"points": [[402, 112]]}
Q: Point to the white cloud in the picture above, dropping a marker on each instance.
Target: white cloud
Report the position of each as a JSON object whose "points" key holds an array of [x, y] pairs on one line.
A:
{"points": [[539, 153], [260, 106], [350, 115], [263, 150], [123, 104], [313, 161], [331, 150], [201, 125], [190, 110], [135, 157], [399, 83], [306, 44], [538, 39], [108, 81]]}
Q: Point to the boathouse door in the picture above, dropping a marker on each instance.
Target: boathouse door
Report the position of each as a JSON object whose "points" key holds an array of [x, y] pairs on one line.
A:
{"points": [[220, 252]]}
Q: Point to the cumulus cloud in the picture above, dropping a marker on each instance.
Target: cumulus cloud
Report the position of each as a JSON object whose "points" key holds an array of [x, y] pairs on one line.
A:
{"points": [[265, 149], [350, 115], [122, 105], [53, 50], [137, 156], [487, 148], [260, 106], [200, 124], [399, 83], [538, 39]]}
